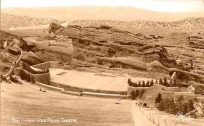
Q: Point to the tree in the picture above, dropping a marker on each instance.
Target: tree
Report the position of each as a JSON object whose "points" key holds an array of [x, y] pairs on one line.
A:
{"points": [[143, 83], [151, 83], [160, 81], [171, 83], [137, 93], [180, 99], [129, 82], [180, 102], [132, 95], [165, 82], [141, 93], [147, 84], [139, 84], [161, 105], [158, 98], [190, 105], [135, 84], [156, 82]]}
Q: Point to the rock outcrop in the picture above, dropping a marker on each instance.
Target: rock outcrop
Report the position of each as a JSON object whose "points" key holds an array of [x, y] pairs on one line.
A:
{"points": [[105, 42], [196, 41]]}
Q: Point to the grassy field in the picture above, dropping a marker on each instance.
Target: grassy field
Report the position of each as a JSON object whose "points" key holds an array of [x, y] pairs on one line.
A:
{"points": [[26, 104]]}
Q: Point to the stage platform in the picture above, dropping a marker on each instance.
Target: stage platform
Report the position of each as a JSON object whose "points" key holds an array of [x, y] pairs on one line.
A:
{"points": [[93, 82]]}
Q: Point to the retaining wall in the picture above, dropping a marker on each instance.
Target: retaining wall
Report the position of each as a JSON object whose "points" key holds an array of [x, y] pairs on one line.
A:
{"points": [[79, 89]]}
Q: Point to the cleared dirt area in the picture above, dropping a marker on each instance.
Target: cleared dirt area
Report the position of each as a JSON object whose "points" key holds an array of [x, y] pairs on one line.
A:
{"points": [[96, 81], [28, 105]]}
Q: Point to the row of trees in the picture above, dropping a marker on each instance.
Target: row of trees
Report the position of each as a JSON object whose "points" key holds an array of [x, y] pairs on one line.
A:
{"points": [[174, 107], [166, 83], [140, 84], [136, 94], [151, 83]]}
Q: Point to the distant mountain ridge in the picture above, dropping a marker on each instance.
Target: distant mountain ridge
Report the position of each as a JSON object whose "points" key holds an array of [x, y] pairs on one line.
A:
{"points": [[8, 21], [100, 13]]}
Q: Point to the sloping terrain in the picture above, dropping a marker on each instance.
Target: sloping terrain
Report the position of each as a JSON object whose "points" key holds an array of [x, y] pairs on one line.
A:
{"points": [[34, 53], [101, 45], [150, 27], [12, 21], [26, 105], [100, 13]]}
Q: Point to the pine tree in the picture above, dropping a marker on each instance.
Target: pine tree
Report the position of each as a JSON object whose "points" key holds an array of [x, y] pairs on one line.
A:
{"points": [[156, 82], [129, 82], [143, 83], [135, 84], [139, 84], [147, 84], [160, 81], [165, 82], [151, 83]]}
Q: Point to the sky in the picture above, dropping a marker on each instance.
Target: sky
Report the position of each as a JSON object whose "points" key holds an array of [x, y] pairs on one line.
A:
{"points": [[152, 5]]}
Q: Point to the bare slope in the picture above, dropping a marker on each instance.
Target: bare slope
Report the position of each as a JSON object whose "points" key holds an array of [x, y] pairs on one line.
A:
{"points": [[12, 21], [105, 13]]}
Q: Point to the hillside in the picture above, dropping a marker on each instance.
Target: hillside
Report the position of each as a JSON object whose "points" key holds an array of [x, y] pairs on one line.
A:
{"points": [[99, 13], [150, 27], [12, 21], [111, 46]]}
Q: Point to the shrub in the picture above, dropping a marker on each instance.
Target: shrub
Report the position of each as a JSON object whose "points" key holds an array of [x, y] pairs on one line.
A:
{"points": [[170, 106], [111, 52]]}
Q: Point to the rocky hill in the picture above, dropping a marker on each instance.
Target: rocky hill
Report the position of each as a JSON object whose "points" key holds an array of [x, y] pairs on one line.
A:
{"points": [[150, 27], [107, 48], [12, 21]]}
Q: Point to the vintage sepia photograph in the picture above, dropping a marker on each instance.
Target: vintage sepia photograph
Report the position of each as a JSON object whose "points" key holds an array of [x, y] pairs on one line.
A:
{"points": [[102, 63]]}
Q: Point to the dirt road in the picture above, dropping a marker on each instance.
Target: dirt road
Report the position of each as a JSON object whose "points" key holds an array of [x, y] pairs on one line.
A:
{"points": [[139, 117]]}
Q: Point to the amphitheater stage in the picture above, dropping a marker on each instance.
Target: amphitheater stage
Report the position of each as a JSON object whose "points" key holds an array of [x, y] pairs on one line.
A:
{"points": [[92, 82]]}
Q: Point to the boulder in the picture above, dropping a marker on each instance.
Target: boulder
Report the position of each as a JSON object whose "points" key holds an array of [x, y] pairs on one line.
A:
{"points": [[30, 43], [5, 44], [16, 41], [54, 27], [13, 50], [52, 35], [31, 59]]}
